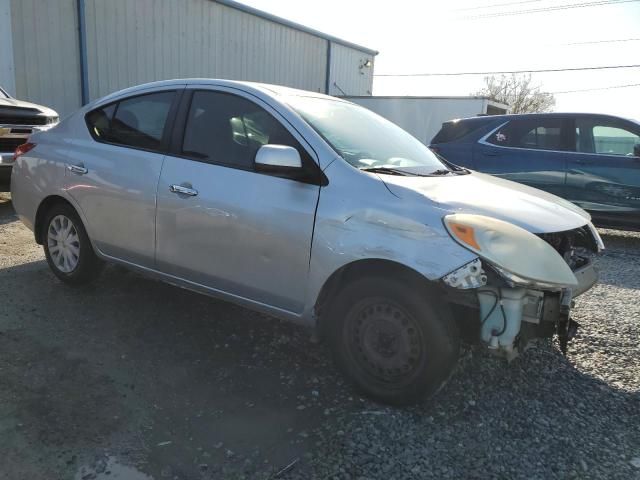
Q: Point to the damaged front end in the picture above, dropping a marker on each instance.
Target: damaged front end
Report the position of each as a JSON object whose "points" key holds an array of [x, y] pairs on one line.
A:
{"points": [[522, 285]]}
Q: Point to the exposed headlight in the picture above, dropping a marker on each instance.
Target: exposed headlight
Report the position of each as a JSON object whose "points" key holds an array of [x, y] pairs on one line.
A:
{"points": [[514, 251]]}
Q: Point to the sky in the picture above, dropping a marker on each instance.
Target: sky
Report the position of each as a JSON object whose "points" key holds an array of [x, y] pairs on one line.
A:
{"points": [[485, 35]]}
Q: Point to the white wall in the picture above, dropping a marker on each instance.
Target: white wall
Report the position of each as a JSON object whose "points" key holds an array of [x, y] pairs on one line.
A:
{"points": [[7, 70], [46, 52], [422, 117]]}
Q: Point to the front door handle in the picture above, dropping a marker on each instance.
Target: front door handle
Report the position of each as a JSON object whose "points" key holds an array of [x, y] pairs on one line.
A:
{"points": [[79, 169], [181, 190]]}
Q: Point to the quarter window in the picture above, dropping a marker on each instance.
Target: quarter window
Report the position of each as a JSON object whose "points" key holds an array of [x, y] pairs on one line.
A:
{"points": [[137, 122], [227, 129], [539, 134], [604, 138]]}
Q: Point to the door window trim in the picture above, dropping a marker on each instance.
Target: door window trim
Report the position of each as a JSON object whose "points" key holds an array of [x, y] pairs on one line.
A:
{"points": [[168, 126], [177, 134]]}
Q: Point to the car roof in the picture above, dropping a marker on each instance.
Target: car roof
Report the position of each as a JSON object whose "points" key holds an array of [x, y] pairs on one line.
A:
{"points": [[251, 87], [523, 116]]}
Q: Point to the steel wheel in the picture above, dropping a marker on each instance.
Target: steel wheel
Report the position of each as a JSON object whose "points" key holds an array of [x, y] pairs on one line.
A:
{"points": [[63, 242], [385, 341]]}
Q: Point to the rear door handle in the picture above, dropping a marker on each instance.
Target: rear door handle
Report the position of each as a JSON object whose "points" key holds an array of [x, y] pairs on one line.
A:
{"points": [[181, 190], [78, 169]]}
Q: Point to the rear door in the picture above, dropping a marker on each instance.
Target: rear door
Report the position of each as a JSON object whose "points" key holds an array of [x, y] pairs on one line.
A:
{"points": [[532, 150], [604, 172], [113, 173]]}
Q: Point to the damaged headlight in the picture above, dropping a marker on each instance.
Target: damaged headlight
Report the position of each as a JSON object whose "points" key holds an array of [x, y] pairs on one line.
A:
{"points": [[516, 253]]}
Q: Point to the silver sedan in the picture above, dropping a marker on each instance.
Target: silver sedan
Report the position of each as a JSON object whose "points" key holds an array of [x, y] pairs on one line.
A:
{"points": [[311, 209]]}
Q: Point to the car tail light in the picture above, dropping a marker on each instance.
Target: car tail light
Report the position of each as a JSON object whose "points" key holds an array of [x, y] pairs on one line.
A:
{"points": [[22, 149]]}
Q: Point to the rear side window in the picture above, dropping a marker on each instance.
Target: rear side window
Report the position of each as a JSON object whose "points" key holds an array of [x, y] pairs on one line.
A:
{"points": [[452, 131], [137, 122], [226, 129], [539, 134]]}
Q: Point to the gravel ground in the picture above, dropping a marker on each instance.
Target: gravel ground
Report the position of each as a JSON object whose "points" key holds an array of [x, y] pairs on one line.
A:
{"points": [[138, 380]]}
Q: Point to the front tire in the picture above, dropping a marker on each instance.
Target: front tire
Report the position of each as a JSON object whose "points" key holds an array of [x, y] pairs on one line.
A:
{"points": [[396, 343], [67, 247]]}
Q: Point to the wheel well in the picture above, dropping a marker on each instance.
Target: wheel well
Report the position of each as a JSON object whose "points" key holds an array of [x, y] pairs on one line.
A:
{"points": [[364, 268], [44, 207]]}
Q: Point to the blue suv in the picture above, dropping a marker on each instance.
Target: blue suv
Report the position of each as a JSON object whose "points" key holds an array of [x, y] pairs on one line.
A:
{"points": [[592, 160]]}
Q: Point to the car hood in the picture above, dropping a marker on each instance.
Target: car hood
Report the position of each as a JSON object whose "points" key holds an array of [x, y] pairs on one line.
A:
{"points": [[527, 207], [12, 103]]}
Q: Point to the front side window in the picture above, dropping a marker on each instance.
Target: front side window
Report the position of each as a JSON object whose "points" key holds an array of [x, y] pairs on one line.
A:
{"points": [[226, 129], [538, 134], [137, 122], [603, 137]]}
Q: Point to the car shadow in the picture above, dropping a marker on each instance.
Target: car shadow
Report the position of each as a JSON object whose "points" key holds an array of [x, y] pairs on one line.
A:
{"points": [[145, 368]]}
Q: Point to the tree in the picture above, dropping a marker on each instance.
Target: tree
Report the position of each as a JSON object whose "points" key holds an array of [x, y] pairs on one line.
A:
{"points": [[517, 92]]}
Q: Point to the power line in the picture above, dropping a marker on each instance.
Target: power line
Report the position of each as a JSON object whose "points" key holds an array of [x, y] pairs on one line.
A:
{"points": [[544, 70], [497, 5], [599, 88], [618, 40], [548, 9]]}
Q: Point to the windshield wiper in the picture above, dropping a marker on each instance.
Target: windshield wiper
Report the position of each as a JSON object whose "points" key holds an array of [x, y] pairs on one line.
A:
{"points": [[387, 170], [442, 171]]}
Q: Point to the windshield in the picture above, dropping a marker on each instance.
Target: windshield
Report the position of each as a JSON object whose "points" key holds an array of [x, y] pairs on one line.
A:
{"points": [[366, 140]]}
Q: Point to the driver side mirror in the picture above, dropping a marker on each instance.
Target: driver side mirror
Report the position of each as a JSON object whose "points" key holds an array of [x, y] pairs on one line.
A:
{"points": [[636, 150], [277, 159]]}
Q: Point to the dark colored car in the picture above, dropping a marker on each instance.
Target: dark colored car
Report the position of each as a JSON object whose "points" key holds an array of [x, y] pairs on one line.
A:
{"points": [[592, 160], [18, 120]]}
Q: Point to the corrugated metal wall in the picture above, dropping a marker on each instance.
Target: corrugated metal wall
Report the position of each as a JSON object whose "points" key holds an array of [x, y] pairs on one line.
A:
{"points": [[45, 52], [135, 42], [349, 76], [132, 42], [7, 73]]}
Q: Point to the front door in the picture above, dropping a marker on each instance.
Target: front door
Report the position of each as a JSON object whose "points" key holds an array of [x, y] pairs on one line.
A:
{"points": [[603, 174], [222, 225], [113, 174], [530, 150]]}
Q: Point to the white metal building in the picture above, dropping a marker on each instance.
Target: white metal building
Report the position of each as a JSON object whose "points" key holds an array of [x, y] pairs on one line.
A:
{"points": [[64, 53], [422, 117]]}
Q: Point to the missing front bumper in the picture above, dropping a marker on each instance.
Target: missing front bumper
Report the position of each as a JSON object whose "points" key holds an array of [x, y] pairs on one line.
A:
{"points": [[512, 316]]}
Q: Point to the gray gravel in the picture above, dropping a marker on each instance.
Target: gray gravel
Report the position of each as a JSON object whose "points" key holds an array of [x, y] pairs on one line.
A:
{"points": [[135, 379], [543, 416]]}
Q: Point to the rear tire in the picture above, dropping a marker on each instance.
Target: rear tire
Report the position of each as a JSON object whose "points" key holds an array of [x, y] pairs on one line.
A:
{"points": [[397, 344], [67, 247]]}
